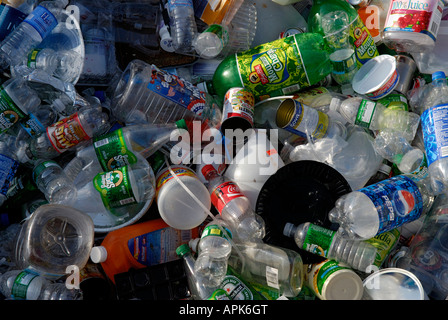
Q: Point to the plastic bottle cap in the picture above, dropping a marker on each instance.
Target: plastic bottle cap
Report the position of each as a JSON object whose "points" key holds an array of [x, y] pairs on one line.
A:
{"points": [[288, 230], [59, 105], [181, 124], [98, 254], [438, 75], [182, 250], [64, 3], [166, 41], [344, 284], [193, 243]]}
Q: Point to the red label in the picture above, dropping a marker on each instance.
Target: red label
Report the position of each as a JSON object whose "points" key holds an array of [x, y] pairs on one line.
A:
{"points": [[66, 133], [225, 193], [261, 74]]}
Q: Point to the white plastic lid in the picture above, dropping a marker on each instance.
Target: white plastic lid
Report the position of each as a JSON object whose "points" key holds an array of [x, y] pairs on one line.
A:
{"points": [[374, 74], [166, 42], [98, 254], [343, 285]]}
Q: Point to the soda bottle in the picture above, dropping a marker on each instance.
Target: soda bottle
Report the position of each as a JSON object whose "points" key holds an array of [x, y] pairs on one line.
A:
{"points": [[198, 290], [52, 181], [25, 285], [380, 207], [29, 34], [436, 107], [326, 243], [233, 206], [213, 250], [360, 38], [276, 68], [72, 131], [412, 26]]}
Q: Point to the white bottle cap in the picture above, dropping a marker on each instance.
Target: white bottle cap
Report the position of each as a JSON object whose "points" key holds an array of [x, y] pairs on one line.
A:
{"points": [[166, 42], [344, 284], [59, 105], [98, 254], [288, 230]]}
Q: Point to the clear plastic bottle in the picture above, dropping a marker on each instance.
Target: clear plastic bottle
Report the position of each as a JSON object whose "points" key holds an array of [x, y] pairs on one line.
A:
{"points": [[436, 107], [182, 25], [212, 41], [8, 163], [233, 206], [213, 250], [24, 285], [278, 268], [13, 13], [326, 243], [73, 131], [30, 33], [382, 206], [52, 181], [374, 116], [147, 94], [197, 290]]}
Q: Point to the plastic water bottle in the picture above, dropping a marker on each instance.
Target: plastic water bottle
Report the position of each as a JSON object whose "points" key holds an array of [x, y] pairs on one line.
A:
{"points": [[147, 94], [326, 243], [30, 33], [381, 207], [436, 104], [8, 163], [213, 250], [233, 206], [73, 131], [24, 285], [374, 116], [12, 14], [197, 290], [52, 181], [279, 269], [212, 41], [182, 25]]}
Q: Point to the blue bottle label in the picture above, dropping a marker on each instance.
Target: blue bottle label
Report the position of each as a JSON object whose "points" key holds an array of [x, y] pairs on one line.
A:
{"points": [[435, 132], [32, 125], [177, 90], [397, 200], [158, 246], [10, 18], [8, 169], [42, 20]]}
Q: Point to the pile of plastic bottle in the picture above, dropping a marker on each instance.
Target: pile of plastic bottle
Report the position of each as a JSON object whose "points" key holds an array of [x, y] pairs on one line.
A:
{"points": [[223, 150]]}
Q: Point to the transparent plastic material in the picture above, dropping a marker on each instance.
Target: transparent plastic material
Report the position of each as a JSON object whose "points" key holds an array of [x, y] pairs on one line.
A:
{"points": [[98, 199], [359, 217], [24, 285], [54, 237], [183, 25], [359, 255]]}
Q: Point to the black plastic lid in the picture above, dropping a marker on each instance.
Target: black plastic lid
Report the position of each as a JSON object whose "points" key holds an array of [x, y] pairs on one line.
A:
{"points": [[299, 192]]}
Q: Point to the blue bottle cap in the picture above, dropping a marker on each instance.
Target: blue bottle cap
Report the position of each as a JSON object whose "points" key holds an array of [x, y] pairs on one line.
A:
{"points": [[438, 75]]}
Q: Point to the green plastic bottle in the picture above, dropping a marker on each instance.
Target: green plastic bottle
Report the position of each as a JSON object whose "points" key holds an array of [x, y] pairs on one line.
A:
{"points": [[280, 67], [363, 43]]}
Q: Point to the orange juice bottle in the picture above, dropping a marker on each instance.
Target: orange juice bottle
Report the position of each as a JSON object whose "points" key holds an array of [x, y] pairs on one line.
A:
{"points": [[140, 245]]}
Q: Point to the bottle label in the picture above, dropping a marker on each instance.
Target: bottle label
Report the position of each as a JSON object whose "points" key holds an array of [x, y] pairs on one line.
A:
{"points": [[66, 133], [32, 57], [215, 231], [397, 200], [224, 193], [422, 16], [343, 66], [112, 152], [395, 101], [10, 113], [321, 272], [238, 102], [384, 243], [42, 20], [219, 294], [220, 31], [41, 167], [115, 188], [158, 246], [273, 67], [318, 240], [365, 113], [363, 43], [434, 127], [10, 18], [21, 283], [177, 90], [8, 169], [166, 176], [310, 96], [32, 125]]}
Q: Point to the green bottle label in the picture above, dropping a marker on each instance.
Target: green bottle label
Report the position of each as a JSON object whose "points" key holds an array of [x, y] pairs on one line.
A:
{"points": [[219, 294], [32, 57], [273, 68], [10, 113], [220, 31], [238, 289], [21, 283], [115, 188], [365, 113], [363, 43], [318, 240], [41, 167], [215, 230], [112, 152], [384, 243], [326, 269], [395, 101]]}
